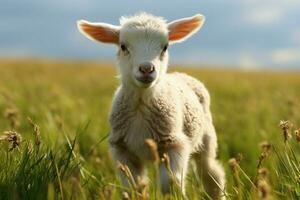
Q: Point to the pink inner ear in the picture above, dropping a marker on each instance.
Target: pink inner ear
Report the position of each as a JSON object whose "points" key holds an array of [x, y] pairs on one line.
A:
{"points": [[181, 29], [101, 33]]}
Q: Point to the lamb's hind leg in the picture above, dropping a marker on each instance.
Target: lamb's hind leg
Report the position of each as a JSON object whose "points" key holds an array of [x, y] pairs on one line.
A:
{"points": [[209, 169]]}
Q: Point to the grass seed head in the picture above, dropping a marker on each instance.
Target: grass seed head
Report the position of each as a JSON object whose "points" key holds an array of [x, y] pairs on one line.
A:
{"points": [[261, 158], [36, 131], [297, 134], [263, 189], [239, 157], [285, 126], [121, 167], [234, 165], [263, 173], [265, 146], [126, 171], [142, 188], [265, 151], [125, 196], [12, 115], [166, 160], [107, 192], [13, 138], [30, 147]]}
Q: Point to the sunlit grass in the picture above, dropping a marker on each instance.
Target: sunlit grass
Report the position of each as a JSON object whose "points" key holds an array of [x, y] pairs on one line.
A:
{"points": [[62, 151]]}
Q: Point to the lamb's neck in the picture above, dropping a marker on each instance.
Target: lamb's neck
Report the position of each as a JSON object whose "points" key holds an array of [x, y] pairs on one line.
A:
{"points": [[139, 96], [135, 91]]}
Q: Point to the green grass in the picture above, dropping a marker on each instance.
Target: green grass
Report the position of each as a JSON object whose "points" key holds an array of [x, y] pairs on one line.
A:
{"points": [[69, 102]]}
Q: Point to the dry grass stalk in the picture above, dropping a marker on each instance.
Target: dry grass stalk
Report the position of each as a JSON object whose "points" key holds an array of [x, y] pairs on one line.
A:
{"points": [[234, 165], [263, 189], [285, 126], [36, 132], [173, 180], [126, 171], [262, 184], [153, 150], [166, 160], [59, 122], [107, 192], [125, 196], [142, 188], [138, 185], [12, 115], [266, 149], [30, 147], [13, 138]]}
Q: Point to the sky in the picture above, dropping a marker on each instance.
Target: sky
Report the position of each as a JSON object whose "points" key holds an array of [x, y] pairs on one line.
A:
{"points": [[248, 34]]}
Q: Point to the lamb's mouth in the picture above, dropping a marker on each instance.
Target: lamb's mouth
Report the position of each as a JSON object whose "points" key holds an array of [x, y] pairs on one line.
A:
{"points": [[146, 79]]}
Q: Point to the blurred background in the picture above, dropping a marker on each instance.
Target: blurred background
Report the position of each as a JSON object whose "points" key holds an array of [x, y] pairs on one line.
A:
{"points": [[246, 34]]}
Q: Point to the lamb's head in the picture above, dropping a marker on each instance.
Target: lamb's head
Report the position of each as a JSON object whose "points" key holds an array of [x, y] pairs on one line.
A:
{"points": [[143, 42]]}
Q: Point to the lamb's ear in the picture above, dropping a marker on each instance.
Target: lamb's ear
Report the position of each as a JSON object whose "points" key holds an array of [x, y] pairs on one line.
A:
{"points": [[101, 32], [181, 29]]}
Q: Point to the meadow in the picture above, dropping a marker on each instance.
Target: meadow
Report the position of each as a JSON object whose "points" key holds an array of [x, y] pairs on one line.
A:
{"points": [[54, 127]]}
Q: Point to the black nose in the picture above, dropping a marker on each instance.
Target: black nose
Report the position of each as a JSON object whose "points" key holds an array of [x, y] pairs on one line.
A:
{"points": [[146, 68]]}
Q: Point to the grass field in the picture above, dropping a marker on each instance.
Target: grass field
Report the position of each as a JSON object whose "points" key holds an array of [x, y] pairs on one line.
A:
{"points": [[63, 153]]}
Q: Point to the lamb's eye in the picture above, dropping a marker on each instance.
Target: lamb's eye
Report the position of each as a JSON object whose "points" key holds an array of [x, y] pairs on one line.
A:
{"points": [[164, 51], [124, 48], [165, 48]]}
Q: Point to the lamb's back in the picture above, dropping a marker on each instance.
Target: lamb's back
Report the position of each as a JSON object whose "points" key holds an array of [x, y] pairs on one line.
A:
{"points": [[198, 89], [195, 100]]}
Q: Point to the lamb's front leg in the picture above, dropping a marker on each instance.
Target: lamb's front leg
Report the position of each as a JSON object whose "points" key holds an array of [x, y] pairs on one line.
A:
{"points": [[178, 155], [121, 155]]}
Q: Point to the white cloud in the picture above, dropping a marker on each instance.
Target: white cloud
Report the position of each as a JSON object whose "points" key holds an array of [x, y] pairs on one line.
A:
{"points": [[268, 11], [286, 56], [295, 36], [248, 61], [263, 16]]}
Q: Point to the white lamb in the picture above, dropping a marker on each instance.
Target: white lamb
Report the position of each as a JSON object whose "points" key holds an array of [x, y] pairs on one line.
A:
{"points": [[172, 109]]}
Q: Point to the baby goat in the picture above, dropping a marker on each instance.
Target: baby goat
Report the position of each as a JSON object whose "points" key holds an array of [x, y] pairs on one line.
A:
{"points": [[173, 109]]}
